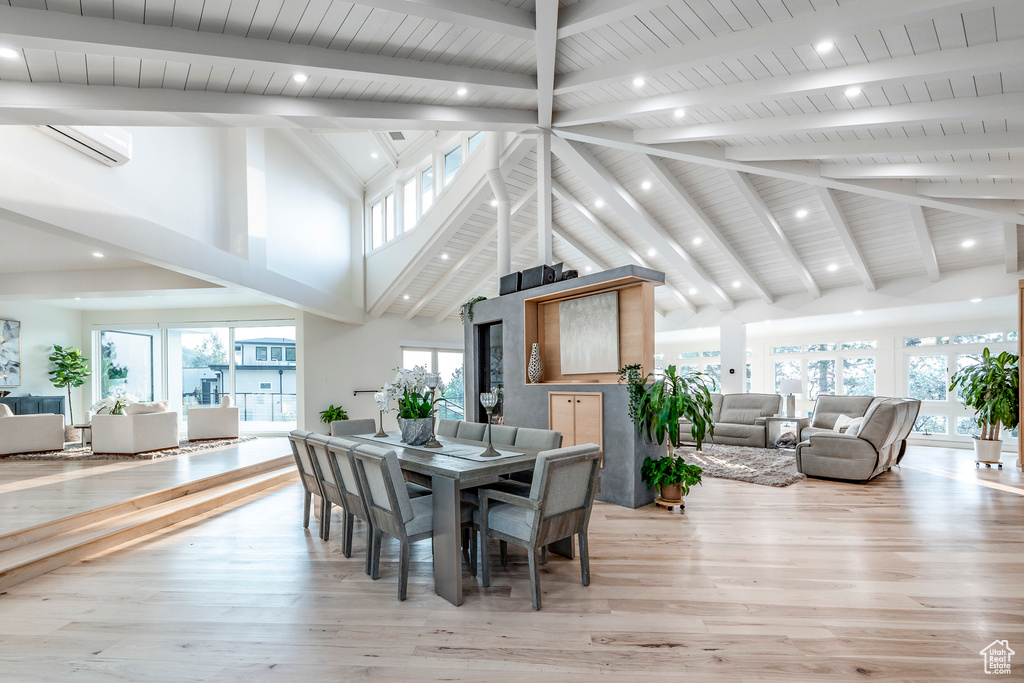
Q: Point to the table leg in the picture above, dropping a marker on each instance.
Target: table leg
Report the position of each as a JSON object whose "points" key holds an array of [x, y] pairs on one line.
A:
{"points": [[447, 539]]}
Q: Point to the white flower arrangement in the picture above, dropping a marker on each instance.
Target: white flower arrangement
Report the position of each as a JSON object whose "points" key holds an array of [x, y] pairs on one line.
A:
{"points": [[114, 405]]}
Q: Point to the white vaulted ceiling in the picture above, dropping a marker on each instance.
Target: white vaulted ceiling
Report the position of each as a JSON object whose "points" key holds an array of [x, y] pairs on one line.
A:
{"points": [[751, 149]]}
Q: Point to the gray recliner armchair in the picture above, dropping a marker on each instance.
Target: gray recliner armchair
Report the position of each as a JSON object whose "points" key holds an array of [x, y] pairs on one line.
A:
{"points": [[863, 452]]}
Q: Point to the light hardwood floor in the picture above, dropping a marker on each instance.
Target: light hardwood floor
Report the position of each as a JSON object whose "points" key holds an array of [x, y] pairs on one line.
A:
{"points": [[904, 579]]}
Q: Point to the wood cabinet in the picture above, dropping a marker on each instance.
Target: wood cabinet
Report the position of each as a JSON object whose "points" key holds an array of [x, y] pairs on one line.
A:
{"points": [[579, 417]]}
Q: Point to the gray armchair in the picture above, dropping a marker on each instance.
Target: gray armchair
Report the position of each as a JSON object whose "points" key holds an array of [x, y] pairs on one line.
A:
{"points": [[350, 427], [307, 473], [863, 452], [559, 505]]}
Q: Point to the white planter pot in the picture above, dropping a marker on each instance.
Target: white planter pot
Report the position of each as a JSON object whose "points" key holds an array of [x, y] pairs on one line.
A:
{"points": [[987, 450]]}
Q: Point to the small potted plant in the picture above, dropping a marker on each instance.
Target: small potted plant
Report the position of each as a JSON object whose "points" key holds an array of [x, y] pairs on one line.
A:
{"points": [[991, 387], [71, 369], [671, 476], [333, 414]]}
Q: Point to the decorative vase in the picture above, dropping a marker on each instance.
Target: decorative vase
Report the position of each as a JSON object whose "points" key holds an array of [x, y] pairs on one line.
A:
{"points": [[418, 431], [535, 369]]}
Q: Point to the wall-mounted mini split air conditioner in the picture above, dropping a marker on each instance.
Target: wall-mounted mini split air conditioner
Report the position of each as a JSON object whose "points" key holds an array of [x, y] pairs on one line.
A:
{"points": [[106, 144]]}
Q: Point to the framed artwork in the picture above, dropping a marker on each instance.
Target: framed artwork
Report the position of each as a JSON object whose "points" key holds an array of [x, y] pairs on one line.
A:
{"points": [[10, 354], [589, 330]]}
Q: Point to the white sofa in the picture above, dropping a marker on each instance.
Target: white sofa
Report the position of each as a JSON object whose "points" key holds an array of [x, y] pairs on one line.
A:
{"points": [[213, 423], [30, 433], [135, 432]]}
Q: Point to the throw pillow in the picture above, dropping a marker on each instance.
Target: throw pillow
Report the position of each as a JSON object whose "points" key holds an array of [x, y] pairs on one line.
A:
{"points": [[842, 421], [144, 408], [855, 425], [226, 402], [5, 411]]}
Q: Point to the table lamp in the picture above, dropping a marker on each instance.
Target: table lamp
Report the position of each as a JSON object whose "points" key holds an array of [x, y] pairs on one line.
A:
{"points": [[790, 387], [488, 401]]}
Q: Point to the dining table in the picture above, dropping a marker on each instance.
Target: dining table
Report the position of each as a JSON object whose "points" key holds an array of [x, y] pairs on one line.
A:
{"points": [[454, 467]]}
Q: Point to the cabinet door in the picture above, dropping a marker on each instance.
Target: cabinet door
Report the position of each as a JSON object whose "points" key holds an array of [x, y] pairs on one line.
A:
{"points": [[589, 425], [562, 416]]}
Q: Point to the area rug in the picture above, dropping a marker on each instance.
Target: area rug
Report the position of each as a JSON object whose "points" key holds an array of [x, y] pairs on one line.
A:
{"points": [[80, 453], [764, 466]]}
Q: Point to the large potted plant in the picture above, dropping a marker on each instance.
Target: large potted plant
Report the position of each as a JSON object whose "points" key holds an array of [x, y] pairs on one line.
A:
{"points": [[991, 387], [415, 407], [71, 369], [656, 408]]}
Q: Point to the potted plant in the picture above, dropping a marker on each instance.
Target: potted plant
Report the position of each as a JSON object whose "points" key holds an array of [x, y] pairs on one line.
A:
{"points": [[656, 408], [71, 370], [415, 407], [114, 404], [991, 387], [333, 414], [466, 310]]}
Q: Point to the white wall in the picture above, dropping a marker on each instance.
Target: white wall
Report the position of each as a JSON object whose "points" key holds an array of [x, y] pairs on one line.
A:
{"points": [[335, 359], [43, 326]]}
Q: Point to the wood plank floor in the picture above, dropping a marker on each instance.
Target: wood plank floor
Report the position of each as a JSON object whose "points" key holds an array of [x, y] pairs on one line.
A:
{"points": [[904, 579]]}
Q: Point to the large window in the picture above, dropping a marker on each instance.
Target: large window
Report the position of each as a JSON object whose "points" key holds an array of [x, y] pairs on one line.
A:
{"points": [[927, 377], [126, 363], [449, 364], [785, 369], [452, 163], [426, 189], [409, 215], [198, 367], [821, 377], [475, 140], [859, 376]]}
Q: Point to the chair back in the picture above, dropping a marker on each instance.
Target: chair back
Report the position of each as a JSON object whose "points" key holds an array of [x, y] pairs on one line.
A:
{"points": [[565, 482], [504, 435], [449, 428], [339, 452], [304, 462], [387, 499], [471, 431], [828, 407], [317, 444], [539, 439], [350, 427]]}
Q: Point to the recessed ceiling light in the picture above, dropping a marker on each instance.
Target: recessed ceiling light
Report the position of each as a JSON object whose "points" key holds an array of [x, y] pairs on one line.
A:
{"points": [[975, 301], [8, 53], [97, 254], [693, 290], [599, 203], [833, 267], [736, 284], [697, 240], [652, 252], [967, 244], [588, 269], [767, 322], [824, 47], [405, 296], [444, 257], [461, 92], [374, 155], [680, 113], [300, 78], [801, 213], [858, 312], [852, 91], [494, 203], [646, 185], [639, 81], [78, 298]]}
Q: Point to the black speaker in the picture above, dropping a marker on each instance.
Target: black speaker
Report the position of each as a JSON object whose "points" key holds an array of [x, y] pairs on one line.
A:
{"points": [[510, 284], [558, 270], [537, 276], [570, 274]]}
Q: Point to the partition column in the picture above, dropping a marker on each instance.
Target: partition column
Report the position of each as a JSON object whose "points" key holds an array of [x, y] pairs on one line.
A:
{"points": [[504, 207], [733, 345], [544, 222]]}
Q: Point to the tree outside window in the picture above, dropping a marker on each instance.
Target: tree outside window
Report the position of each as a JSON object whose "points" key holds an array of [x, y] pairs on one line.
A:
{"points": [[821, 378]]}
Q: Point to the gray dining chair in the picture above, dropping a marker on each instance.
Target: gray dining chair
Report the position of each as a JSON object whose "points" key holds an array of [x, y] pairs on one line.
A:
{"points": [[391, 510], [449, 428], [307, 473], [339, 452], [350, 427], [471, 431], [539, 439], [559, 505], [329, 487], [502, 435]]}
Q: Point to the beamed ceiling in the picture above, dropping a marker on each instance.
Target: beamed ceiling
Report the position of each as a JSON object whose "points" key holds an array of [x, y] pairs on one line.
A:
{"points": [[751, 149]]}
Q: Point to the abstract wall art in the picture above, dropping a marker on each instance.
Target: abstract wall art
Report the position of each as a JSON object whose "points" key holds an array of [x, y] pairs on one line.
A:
{"points": [[589, 331], [10, 353]]}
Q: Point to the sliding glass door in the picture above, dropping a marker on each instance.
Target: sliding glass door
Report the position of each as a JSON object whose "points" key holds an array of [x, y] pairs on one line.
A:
{"points": [[265, 361], [198, 368]]}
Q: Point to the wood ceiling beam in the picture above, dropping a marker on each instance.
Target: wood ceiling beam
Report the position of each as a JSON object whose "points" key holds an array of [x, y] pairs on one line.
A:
{"points": [[51, 103], [922, 144], [924, 240], [965, 108], [1011, 245], [942, 64], [804, 29], [547, 44], [774, 230], [973, 190], [479, 14], [613, 237], [956, 169], [664, 176], [590, 170], [590, 14], [842, 226], [50, 30]]}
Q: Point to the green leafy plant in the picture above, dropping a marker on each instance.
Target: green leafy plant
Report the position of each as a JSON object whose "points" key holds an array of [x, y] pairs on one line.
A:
{"points": [[466, 310], [414, 405], [661, 404], [670, 470], [333, 414], [991, 388], [71, 370]]}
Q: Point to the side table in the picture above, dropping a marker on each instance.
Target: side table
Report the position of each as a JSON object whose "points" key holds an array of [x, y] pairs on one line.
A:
{"points": [[773, 425], [85, 428]]}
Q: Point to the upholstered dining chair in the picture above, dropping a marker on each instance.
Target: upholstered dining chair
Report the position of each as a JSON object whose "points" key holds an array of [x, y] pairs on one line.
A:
{"points": [[339, 452], [559, 505], [539, 439], [391, 510], [502, 435], [350, 427], [307, 474], [333, 490], [471, 431], [449, 428]]}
